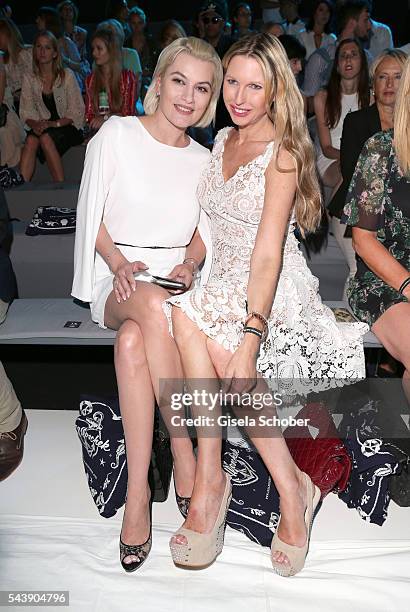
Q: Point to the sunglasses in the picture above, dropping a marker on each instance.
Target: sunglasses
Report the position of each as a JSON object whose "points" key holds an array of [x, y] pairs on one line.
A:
{"points": [[208, 20]]}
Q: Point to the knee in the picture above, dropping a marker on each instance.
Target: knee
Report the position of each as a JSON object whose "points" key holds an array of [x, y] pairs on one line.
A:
{"points": [[129, 344], [45, 141], [31, 143]]}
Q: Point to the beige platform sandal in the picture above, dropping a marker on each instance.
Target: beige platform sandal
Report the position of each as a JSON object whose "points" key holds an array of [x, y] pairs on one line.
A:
{"points": [[296, 554], [203, 548]]}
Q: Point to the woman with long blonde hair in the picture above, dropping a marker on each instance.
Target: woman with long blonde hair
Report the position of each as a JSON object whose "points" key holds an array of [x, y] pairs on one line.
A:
{"points": [[110, 79], [259, 313], [378, 209], [52, 108], [17, 57]]}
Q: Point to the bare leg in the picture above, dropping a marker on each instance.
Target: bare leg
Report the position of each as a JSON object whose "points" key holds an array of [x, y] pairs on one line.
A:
{"points": [[28, 157], [286, 475], [209, 478], [53, 158], [144, 307], [137, 410], [393, 331]]}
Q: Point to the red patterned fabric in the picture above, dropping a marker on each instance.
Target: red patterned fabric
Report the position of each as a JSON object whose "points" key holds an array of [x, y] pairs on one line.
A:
{"points": [[324, 457], [128, 87]]}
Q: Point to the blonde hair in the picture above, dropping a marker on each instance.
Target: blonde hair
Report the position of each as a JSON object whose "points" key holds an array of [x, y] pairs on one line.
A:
{"points": [[14, 39], [199, 49], [285, 108], [57, 65], [402, 121], [395, 54]]}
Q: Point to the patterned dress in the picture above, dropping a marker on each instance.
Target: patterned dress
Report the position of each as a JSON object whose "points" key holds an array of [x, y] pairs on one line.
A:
{"points": [[305, 346], [378, 200]]}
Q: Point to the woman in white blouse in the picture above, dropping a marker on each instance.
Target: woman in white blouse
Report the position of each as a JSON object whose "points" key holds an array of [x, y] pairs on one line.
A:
{"points": [[138, 212], [52, 108], [317, 33]]}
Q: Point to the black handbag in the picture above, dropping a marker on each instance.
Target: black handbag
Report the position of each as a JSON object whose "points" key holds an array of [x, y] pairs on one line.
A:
{"points": [[52, 220], [3, 114], [100, 431]]}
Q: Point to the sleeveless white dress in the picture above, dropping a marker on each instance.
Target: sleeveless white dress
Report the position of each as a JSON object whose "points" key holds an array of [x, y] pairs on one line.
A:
{"points": [[305, 344]]}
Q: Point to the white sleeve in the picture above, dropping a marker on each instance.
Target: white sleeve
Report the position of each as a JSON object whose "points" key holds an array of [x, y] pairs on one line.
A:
{"points": [[99, 169]]}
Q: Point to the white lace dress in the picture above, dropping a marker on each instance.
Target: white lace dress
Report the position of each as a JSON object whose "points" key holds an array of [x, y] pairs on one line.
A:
{"points": [[306, 348]]}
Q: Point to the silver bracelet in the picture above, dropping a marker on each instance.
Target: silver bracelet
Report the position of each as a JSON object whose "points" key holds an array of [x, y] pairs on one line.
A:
{"points": [[193, 263]]}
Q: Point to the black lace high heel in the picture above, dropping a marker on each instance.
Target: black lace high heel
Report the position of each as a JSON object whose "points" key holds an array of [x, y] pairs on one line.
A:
{"points": [[141, 551], [182, 503]]}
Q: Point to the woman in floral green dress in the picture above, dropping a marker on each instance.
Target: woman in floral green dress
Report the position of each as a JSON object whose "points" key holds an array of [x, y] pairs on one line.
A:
{"points": [[378, 209]]}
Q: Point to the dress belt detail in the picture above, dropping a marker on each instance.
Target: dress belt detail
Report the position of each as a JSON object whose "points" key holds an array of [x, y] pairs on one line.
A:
{"points": [[136, 246]]}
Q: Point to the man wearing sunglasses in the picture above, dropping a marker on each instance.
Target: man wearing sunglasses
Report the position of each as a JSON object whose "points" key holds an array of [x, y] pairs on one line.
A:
{"points": [[211, 20]]}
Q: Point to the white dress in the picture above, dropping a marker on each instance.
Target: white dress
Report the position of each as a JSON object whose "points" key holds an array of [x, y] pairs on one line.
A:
{"points": [[305, 343], [145, 193], [349, 103], [307, 38]]}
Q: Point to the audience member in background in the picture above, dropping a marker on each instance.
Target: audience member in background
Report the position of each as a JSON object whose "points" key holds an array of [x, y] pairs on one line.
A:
{"points": [[318, 28], [49, 19], [271, 27], [5, 10], [211, 22], [242, 20], [358, 127], [68, 12], [270, 12], [347, 91], [295, 52], [141, 41], [130, 57], [292, 23], [13, 421], [12, 133], [17, 57], [154, 153], [378, 209], [118, 9], [109, 89], [170, 31], [353, 21], [52, 107]]}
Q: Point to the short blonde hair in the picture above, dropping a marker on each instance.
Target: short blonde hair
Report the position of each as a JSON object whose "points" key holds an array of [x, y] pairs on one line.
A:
{"points": [[402, 121], [285, 108], [395, 54], [199, 49]]}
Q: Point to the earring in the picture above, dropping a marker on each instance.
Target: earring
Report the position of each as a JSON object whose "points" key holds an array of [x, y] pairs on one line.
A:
{"points": [[157, 94]]}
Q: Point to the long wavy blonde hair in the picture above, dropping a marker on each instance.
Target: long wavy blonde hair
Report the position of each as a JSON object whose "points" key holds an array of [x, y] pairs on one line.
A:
{"points": [[285, 108], [402, 121]]}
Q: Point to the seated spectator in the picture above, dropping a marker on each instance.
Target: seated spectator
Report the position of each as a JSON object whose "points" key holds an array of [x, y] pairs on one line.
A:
{"points": [[318, 33], [17, 57], [141, 41], [130, 57], [295, 51], [347, 91], [293, 24], [353, 21], [358, 127], [380, 37], [211, 23], [52, 108], [271, 12], [12, 133], [377, 208], [242, 20], [13, 421], [271, 27], [68, 12], [171, 30], [48, 19], [118, 9], [110, 90]]}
